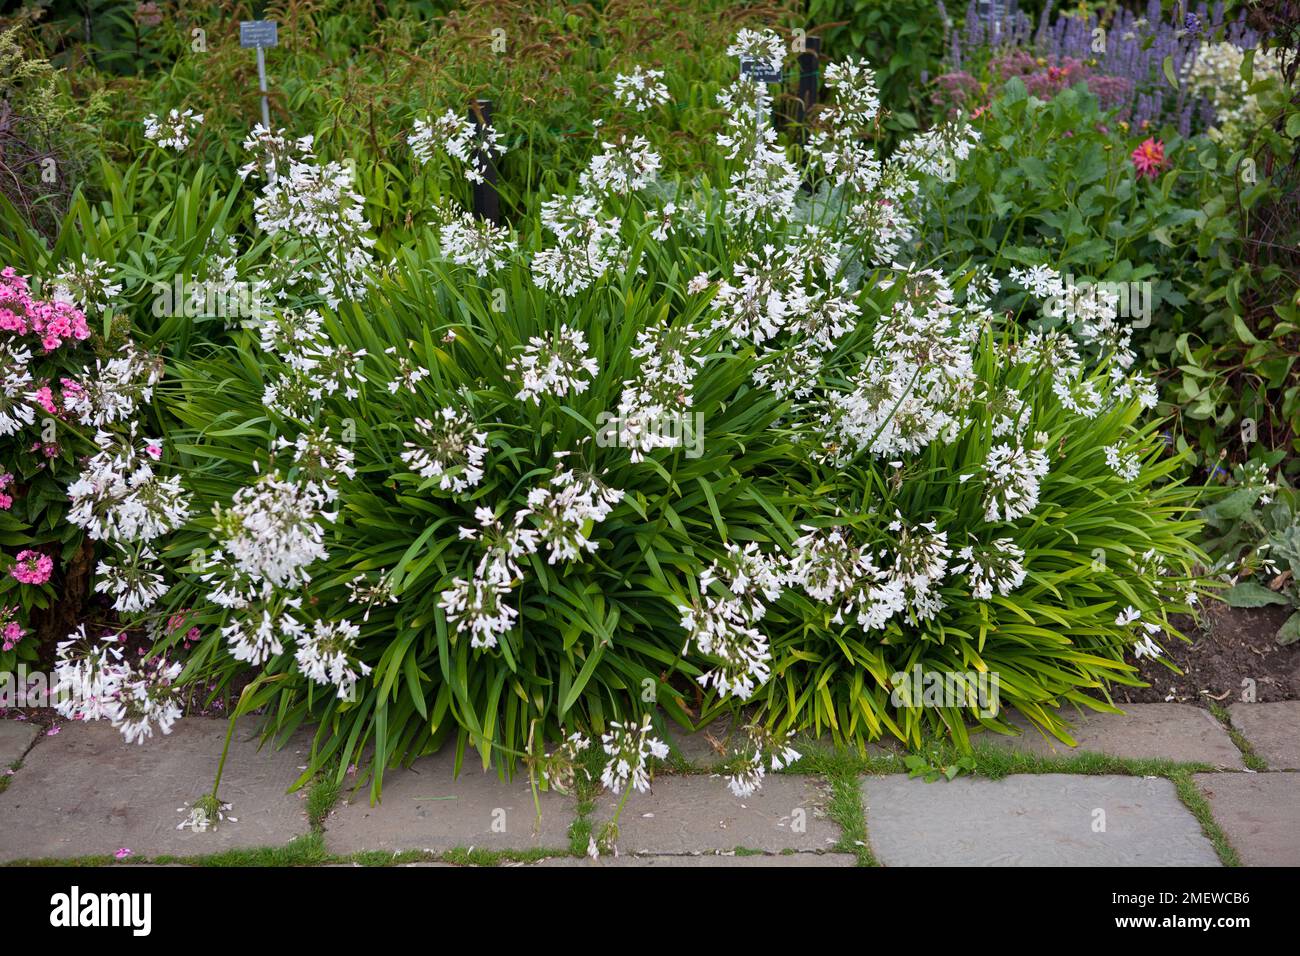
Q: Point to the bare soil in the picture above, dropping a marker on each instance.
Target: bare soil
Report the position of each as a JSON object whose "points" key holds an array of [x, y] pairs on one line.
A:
{"points": [[1230, 646]]}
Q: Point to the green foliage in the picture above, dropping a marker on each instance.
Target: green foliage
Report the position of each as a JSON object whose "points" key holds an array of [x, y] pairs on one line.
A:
{"points": [[1254, 529]]}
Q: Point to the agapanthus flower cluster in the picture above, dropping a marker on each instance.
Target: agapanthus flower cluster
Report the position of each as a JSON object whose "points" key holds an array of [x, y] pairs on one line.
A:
{"points": [[135, 578], [560, 767], [119, 496], [759, 46], [113, 390], [556, 364], [1146, 645], [472, 144], [87, 284], [173, 132], [916, 385], [629, 747], [667, 361], [997, 567], [590, 244], [720, 623], [450, 448], [622, 168], [327, 655], [312, 207], [558, 517], [762, 749], [562, 509], [478, 243], [1012, 475], [94, 681], [831, 567], [641, 89], [274, 529]]}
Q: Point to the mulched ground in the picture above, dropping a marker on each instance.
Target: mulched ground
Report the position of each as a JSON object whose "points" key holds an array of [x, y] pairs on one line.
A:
{"points": [[1230, 645]]}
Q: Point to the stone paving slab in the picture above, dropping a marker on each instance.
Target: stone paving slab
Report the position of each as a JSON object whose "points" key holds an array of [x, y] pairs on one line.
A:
{"points": [[87, 792], [708, 860], [427, 807], [1179, 732], [15, 737], [1032, 820], [1273, 731], [1259, 813], [686, 815]]}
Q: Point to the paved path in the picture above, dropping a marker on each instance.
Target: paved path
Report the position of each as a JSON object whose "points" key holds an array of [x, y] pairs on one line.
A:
{"points": [[80, 791]]}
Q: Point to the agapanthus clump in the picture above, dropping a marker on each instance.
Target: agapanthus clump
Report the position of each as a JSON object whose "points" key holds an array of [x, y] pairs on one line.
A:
{"points": [[311, 208], [174, 131]]}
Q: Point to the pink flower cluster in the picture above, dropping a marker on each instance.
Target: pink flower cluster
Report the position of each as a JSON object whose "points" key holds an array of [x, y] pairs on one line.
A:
{"points": [[45, 396], [53, 322], [11, 632], [6, 499], [32, 567]]}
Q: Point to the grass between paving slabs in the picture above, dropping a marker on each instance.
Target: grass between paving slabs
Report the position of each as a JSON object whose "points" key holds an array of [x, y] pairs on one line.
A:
{"points": [[1252, 760], [14, 767]]}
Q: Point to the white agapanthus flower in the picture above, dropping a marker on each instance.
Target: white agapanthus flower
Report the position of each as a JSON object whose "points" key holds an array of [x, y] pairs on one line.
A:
{"points": [[274, 530], [629, 748], [1125, 465], [641, 89], [175, 131], [556, 365], [451, 448], [327, 655], [1011, 481]]}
